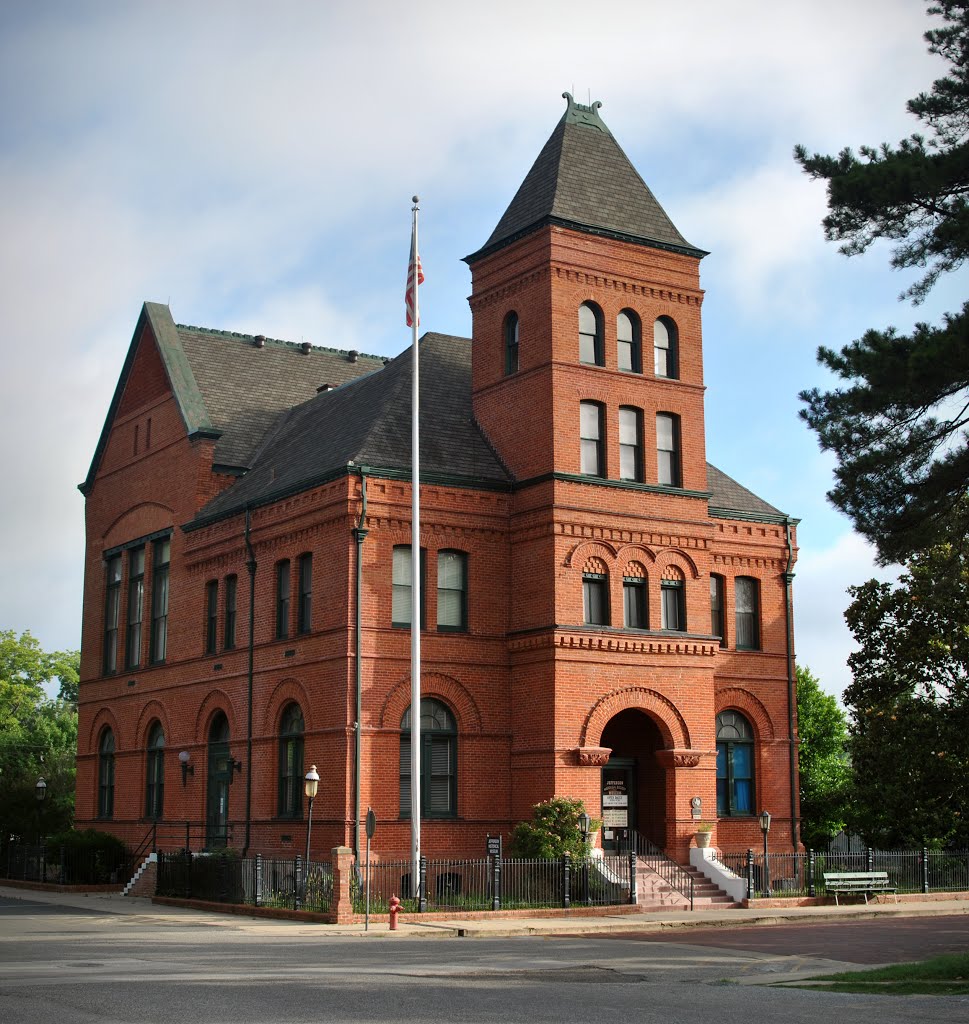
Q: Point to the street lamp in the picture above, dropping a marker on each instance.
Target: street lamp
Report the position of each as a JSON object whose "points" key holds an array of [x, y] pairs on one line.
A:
{"points": [[765, 828], [584, 822], [311, 783], [40, 790]]}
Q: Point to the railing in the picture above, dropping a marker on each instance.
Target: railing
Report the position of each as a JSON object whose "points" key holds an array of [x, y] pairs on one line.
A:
{"points": [[64, 865], [655, 860]]}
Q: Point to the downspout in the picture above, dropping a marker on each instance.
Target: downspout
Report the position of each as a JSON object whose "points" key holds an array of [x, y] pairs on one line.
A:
{"points": [[791, 693], [251, 567], [360, 535]]}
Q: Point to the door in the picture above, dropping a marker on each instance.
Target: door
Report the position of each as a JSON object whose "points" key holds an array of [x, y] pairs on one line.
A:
{"points": [[217, 789], [618, 803]]}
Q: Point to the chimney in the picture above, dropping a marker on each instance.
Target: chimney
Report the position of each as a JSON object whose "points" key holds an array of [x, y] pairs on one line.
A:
{"points": [[259, 341], [305, 347], [352, 355]]}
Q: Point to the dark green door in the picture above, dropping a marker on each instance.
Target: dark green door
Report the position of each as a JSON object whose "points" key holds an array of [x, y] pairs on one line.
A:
{"points": [[217, 789], [618, 803]]}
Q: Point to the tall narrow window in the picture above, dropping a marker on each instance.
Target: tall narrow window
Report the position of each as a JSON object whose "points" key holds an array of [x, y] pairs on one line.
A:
{"points": [[634, 602], [748, 613], [291, 763], [511, 343], [136, 607], [282, 599], [665, 346], [229, 628], [717, 609], [630, 443], [591, 349], [673, 595], [668, 449], [735, 765], [155, 773], [439, 774], [403, 590], [591, 461], [106, 775], [304, 613], [595, 598], [112, 613], [211, 624], [160, 562], [452, 591], [628, 343]]}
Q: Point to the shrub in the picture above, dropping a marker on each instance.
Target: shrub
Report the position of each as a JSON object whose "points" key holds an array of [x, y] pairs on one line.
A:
{"points": [[553, 831]]}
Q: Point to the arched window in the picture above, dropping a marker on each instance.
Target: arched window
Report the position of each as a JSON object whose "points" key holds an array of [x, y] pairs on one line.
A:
{"points": [[439, 773], [595, 593], [155, 773], [635, 608], [747, 601], [628, 342], [511, 343], [452, 591], [673, 597], [402, 584], [106, 775], [220, 768], [291, 763], [592, 460], [665, 348], [591, 348], [735, 765]]}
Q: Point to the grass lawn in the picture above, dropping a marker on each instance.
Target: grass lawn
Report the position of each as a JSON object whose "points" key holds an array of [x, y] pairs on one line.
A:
{"points": [[941, 976]]}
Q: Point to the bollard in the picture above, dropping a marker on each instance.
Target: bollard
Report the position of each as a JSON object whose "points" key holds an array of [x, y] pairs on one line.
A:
{"points": [[394, 912]]}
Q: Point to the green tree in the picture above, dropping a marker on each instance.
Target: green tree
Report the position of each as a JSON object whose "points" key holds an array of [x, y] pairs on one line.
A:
{"points": [[897, 424], [38, 736], [910, 703], [823, 765], [553, 830]]}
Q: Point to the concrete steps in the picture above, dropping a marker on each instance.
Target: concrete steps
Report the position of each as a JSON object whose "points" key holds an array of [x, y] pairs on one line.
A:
{"points": [[144, 880], [654, 894]]}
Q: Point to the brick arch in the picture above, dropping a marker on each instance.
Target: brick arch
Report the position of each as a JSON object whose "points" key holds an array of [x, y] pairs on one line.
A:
{"points": [[453, 693], [287, 691], [663, 712], [590, 549], [735, 698], [217, 700], [635, 553], [151, 711], [679, 558], [138, 521], [104, 717], [635, 569]]}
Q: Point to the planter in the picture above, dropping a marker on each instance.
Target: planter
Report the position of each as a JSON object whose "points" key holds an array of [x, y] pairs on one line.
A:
{"points": [[703, 839]]}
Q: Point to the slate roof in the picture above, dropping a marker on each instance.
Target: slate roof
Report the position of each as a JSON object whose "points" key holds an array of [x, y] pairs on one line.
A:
{"points": [[582, 179], [727, 496]]}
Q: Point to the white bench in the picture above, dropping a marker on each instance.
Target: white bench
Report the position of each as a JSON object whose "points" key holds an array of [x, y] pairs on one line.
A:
{"points": [[865, 882]]}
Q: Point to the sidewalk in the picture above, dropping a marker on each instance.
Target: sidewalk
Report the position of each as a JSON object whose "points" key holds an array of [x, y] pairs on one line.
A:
{"points": [[443, 926]]}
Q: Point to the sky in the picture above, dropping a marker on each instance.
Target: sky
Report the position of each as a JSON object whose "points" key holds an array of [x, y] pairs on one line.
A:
{"points": [[251, 164]]}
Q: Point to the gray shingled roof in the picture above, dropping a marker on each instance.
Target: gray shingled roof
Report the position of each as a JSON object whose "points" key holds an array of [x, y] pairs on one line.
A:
{"points": [[583, 179], [367, 422], [726, 495]]}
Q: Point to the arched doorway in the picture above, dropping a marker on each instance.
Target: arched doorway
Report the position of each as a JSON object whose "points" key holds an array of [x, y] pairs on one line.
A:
{"points": [[633, 781], [219, 779]]}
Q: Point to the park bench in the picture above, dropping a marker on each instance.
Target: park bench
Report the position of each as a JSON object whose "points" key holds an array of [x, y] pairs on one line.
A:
{"points": [[866, 882]]}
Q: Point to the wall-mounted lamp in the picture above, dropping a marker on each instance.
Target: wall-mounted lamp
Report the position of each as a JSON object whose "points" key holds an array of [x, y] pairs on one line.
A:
{"points": [[187, 769], [234, 766]]}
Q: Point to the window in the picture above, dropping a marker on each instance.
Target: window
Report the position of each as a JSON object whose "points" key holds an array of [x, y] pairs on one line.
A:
{"points": [[155, 773], [112, 610], [595, 598], [229, 628], [735, 765], [673, 596], [591, 349], [304, 612], [591, 461], [282, 599], [665, 345], [291, 763], [211, 616], [439, 775], [106, 775], [452, 591], [160, 561], [716, 608], [748, 613], [634, 603], [630, 443], [136, 607], [511, 343], [628, 343], [403, 591], [668, 449]]}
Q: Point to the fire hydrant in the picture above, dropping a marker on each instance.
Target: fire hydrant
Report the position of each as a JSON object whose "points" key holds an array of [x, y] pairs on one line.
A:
{"points": [[394, 911]]}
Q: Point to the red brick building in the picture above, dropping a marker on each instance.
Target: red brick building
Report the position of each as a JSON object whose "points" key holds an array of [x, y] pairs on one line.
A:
{"points": [[605, 615]]}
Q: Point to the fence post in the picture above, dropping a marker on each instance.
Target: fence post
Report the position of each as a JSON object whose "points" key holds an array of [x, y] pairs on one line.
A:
{"points": [[633, 878], [43, 863], [869, 859], [297, 881], [566, 887], [258, 896], [188, 873], [496, 884], [925, 869], [422, 883], [812, 867], [60, 877], [750, 874]]}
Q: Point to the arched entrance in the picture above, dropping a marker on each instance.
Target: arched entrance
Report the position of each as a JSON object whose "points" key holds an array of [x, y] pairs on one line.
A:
{"points": [[633, 781], [219, 778]]}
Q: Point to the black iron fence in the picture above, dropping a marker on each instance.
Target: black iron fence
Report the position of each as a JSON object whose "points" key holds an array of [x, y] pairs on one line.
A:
{"points": [[65, 865], [802, 874]]}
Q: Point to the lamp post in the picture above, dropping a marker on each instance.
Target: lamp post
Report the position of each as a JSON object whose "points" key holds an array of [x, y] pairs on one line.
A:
{"points": [[40, 792], [765, 828], [584, 822], [311, 782]]}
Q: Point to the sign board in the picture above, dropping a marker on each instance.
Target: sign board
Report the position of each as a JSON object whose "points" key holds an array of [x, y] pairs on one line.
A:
{"points": [[371, 823], [615, 818], [494, 846], [615, 800]]}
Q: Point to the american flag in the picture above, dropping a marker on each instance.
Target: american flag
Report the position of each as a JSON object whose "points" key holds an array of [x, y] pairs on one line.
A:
{"points": [[415, 276]]}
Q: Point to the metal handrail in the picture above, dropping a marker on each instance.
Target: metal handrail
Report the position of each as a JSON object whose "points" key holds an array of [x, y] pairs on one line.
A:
{"points": [[655, 860]]}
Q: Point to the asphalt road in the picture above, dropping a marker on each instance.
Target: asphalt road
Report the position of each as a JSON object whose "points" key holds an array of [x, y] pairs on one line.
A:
{"points": [[71, 966]]}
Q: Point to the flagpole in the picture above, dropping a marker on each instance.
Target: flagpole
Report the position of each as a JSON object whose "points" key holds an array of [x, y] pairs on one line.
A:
{"points": [[416, 580]]}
